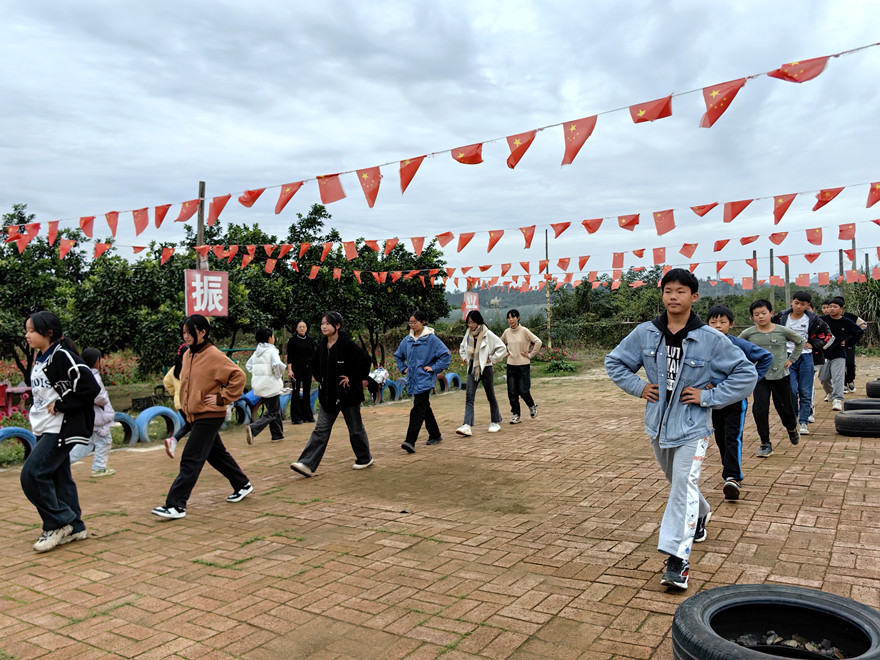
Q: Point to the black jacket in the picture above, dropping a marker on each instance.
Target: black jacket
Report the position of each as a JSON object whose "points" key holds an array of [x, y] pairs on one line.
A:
{"points": [[77, 387], [345, 358], [299, 354], [818, 332]]}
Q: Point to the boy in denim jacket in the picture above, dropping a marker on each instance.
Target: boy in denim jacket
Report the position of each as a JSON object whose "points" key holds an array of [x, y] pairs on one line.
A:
{"points": [[691, 369]]}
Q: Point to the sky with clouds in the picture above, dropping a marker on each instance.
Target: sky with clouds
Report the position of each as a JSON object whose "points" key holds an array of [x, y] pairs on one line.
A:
{"points": [[109, 105]]}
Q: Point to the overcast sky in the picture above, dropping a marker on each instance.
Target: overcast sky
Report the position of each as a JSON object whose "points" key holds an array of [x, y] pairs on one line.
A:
{"points": [[120, 105]]}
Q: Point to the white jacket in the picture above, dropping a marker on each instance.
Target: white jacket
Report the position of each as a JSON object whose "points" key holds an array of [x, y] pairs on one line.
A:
{"points": [[267, 369], [104, 413], [492, 349]]}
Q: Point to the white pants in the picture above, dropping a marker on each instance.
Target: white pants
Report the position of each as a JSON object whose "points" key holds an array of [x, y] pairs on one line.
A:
{"points": [[100, 444]]}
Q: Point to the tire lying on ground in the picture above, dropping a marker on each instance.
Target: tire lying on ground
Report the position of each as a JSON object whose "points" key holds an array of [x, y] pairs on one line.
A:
{"points": [[704, 624], [858, 423], [129, 428], [172, 421], [24, 436], [872, 389], [861, 404]]}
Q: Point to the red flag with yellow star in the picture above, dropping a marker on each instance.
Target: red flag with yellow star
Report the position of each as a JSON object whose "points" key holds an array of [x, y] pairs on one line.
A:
{"points": [[528, 234], [350, 250], [330, 188], [873, 194], [445, 238], [408, 169], [780, 206], [733, 209], [494, 236], [592, 226], [519, 144], [778, 237], [324, 252], [802, 280], [216, 208], [664, 221], [248, 197], [112, 221], [617, 260], [53, 232], [390, 244], [812, 256], [288, 190], [101, 248], [802, 71], [469, 155], [814, 236], [703, 209], [87, 224], [753, 263], [166, 255], [463, 240], [718, 98], [418, 243], [187, 210], [847, 232], [745, 240], [582, 261], [651, 110], [559, 227], [160, 211], [825, 196], [628, 221], [659, 255], [575, 134], [719, 245], [64, 246], [688, 249], [141, 220], [369, 179]]}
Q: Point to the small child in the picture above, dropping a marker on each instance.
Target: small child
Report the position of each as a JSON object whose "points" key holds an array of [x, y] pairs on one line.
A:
{"points": [[728, 421], [100, 440], [846, 333], [268, 370], [773, 337], [171, 382]]}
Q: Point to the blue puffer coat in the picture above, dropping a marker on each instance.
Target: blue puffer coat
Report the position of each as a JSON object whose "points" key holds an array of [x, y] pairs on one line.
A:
{"points": [[414, 354]]}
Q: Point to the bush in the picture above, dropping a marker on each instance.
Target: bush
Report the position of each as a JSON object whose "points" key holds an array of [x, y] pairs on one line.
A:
{"points": [[561, 366], [120, 369]]}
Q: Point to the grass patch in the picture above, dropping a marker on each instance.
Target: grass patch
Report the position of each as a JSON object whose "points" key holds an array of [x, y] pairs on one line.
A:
{"points": [[273, 490], [217, 564], [287, 500], [101, 514], [252, 539], [285, 533]]}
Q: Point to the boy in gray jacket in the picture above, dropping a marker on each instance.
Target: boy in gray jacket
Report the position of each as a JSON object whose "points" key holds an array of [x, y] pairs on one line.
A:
{"points": [[691, 369]]}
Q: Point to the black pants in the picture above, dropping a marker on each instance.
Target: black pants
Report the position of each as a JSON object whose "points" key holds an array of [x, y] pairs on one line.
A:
{"points": [[183, 430], [519, 384], [421, 413], [204, 444], [780, 390], [728, 424], [271, 417], [850, 365], [357, 436], [301, 398], [48, 483]]}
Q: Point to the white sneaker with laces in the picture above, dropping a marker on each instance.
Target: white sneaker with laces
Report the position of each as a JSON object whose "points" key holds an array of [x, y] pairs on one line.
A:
{"points": [[494, 428], [169, 512], [241, 493], [803, 429], [464, 430], [170, 446], [515, 419], [837, 405], [827, 397], [811, 419], [52, 538]]}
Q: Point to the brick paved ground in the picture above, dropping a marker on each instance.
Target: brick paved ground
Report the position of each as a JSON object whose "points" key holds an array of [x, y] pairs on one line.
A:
{"points": [[536, 542]]}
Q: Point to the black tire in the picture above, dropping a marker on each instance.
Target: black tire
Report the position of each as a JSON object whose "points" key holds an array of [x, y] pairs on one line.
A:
{"points": [[872, 389], [703, 623], [862, 404], [858, 423]]}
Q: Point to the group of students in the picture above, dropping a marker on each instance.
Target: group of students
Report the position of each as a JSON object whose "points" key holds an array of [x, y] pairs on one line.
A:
{"points": [[698, 379]]}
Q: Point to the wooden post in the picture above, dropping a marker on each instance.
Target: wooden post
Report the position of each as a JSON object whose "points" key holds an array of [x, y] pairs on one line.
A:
{"points": [[854, 264], [787, 288], [201, 262], [772, 288], [840, 261], [755, 269], [547, 287]]}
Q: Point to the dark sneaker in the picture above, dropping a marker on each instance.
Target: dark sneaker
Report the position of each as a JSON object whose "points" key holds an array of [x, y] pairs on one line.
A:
{"points": [[408, 448], [794, 436], [241, 493], [731, 490], [52, 538], [169, 512], [515, 419], [278, 439], [362, 466], [533, 411], [302, 469], [435, 441], [765, 451], [676, 574], [700, 531]]}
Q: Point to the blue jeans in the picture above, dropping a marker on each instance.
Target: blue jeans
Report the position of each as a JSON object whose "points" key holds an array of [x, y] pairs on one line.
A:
{"points": [[801, 375]]}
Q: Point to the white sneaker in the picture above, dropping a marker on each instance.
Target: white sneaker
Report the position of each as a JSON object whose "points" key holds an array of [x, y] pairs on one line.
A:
{"points": [[515, 419], [52, 538], [811, 419], [170, 446], [827, 397], [169, 512], [250, 434], [494, 428], [464, 430], [851, 387], [837, 404], [803, 429], [302, 469], [362, 466]]}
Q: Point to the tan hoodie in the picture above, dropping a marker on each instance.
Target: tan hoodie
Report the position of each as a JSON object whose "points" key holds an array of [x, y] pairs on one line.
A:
{"points": [[208, 371]]}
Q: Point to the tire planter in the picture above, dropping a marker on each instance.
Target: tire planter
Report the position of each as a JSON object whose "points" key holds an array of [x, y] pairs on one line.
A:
{"points": [[24, 436], [172, 421], [453, 381], [704, 624], [872, 389], [401, 385], [313, 398], [285, 404], [242, 411], [442, 384], [129, 427], [858, 423], [862, 404], [394, 388]]}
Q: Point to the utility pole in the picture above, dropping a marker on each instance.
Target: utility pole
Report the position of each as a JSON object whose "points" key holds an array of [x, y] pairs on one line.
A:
{"points": [[840, 261], [787, 288], [755, 269], [854, 264], [547, 287], [201, 262]]}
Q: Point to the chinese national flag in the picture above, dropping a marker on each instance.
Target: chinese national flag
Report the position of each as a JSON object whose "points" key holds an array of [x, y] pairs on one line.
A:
{"points": [[166, 255], [326, 250], [270, 265], [408, 169], [112, 221], [372, 244], [703, 209], [718, 98], [528, 234], [592, 226], [390, 244], [617, 260], [248, 197], [659, 256], [313, 273], [542, 265], [719, 245], [559, 227], [852, 276], [745, 240], [469, 155], [463, 240], [483, 269], [230, 253], [251, 249], [524, 265], [288, 190], [664, 221], [688, 249], [87, 224], [216, 208], [137, 249], [847, 232], [330, 188], [639, 253], [285, 248], [357, 276], [733, 209], [337, 273], [582, 261], [777, 237], [303, 248], [449, 271], [825, 196], [464, 269], [563, 263], [753, 263], [873, 194], [748, 283], [396, 275], [803, 280], [350, 250], [628, 221], [64, 246], [202, 250], [160, 212], [504, 269], [370, 179], [823, 279], [575, 134], [187, 210], [799, 72], [651, 110], [141, 220], [719, 265], [783, 258], [814, 236], [418, 243], [518, 144], [494, 236], [219, 252], [445, 238], [269, 249], [812, 256], [53, 232], [780, 206]]}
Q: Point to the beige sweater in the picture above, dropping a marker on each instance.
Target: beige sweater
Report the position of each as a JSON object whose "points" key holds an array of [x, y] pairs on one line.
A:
{"points": [[519, 340]]}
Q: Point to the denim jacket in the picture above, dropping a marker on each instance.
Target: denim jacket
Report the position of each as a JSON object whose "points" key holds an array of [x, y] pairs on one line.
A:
{"points": [[707, 357]]}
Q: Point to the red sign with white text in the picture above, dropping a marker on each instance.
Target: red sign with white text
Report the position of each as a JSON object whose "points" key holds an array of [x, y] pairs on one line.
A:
{"points": [[471, 301], [207, 292]]}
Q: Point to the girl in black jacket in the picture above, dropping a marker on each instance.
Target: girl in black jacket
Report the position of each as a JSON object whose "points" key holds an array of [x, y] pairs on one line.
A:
{"points": [[63, 391], [341, 369]]}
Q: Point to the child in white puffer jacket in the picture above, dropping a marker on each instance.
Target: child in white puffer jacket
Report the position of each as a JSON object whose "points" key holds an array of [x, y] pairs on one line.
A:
{"points": [[101, 440], [267, 370]]}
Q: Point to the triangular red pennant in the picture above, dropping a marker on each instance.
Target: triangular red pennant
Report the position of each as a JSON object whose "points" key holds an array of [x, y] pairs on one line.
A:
{"points": [[202, 250], [745, 240], [563, 263], [719, 245], [248, 197], [825, 196], [396, 275], [494, 236], [628, 221], [408, 169], [528, 234], [390, 244], [518, 144], [187, 210], [659, 256], [285, 248], [216, 208], [372, 244], [688, 249], [812, 256], [847, 232], [778, 237], [337, 273], [463, 240], [703, 209], [445, 238], [873, 194], [326, 250], [592, 226], [53, 232], [303, 247], [575, 134], [64, 246], [313, 273], [350, 250], [802, 71], [112, 221], [504, 269], [783, 258], [219, 251], [814, 236], [269, 249], [166, 254], [542, 265], [369, 179], [230, 253], [524, 265], [288, 190], [87, 224], [639, 253], [718, 98], [449, 271], [719, 265], [780, 206], [418, 243], [733, 209], [160, 213], [651, 110], [559, 227], [251, 249], [582, 261], [141, 219], [753, 263], [270, 265], [330, 188], [469, 155], [664, 221], [850, 254]]}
